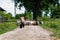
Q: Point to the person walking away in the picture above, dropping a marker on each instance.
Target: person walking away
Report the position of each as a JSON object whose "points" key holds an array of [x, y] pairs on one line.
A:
{"points": [[22, 22]]}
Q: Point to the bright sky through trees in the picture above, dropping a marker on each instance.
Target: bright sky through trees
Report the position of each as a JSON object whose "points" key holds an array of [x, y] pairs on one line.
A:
{"points": [[8, 5]]}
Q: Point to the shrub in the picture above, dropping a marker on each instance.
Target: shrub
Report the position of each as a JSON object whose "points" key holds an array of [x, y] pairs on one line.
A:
{"points": [[45, 18], [53, 25]]}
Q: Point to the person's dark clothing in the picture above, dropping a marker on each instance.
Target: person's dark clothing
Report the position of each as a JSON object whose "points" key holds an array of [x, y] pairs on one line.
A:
{"points": [[21, 25]]}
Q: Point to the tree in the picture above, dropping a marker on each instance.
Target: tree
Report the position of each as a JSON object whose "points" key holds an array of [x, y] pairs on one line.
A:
{"points": [[17, 16], [28, 15], [9, 16], [5, 16], [55, 9], [35, 6], [1, 16]]}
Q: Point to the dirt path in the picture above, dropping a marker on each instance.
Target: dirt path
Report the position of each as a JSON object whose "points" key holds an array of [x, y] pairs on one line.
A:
{"points": [[27, 33]]}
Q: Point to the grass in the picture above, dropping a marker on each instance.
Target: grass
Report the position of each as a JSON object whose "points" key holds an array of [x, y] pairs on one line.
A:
{"points": [[7, 26], [54, 26]]}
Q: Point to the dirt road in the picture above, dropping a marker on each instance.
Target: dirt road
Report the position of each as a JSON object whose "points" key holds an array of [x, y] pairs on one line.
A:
{"points": [[27, 33]]}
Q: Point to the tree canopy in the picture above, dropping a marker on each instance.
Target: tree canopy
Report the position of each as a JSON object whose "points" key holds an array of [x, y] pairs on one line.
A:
{"points": [[35, 6]]}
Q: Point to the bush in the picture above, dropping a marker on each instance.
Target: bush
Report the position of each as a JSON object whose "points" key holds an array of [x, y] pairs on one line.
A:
{"points": [[45, 18], [11, 20], [7, 26], [53, 25]]}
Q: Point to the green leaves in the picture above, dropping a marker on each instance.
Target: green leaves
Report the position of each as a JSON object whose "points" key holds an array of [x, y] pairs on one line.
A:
{"points": [[28, 15], [36, 6]]}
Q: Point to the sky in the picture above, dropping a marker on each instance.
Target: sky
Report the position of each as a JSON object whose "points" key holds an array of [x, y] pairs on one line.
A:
{"points": [[8, 5]]}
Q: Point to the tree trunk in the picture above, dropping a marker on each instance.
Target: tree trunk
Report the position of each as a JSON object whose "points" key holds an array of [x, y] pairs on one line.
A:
{"points": [[35, 15], [36, 9]]}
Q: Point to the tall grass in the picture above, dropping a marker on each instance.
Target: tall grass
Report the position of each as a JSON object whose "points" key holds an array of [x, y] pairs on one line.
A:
{"points": [[54, 26]]}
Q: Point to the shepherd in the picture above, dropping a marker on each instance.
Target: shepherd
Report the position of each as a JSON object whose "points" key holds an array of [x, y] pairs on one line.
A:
{"points": [[22, 22]]}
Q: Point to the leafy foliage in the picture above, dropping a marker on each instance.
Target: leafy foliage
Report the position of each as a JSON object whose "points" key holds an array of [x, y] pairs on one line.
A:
{"points": [[5, 15], [19, 15], [28, 15], [45, 18], [35, 6]]}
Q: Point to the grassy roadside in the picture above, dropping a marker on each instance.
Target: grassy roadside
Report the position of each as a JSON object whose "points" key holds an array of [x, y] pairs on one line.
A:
{"points": [[7, 26], [54, 26]]}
